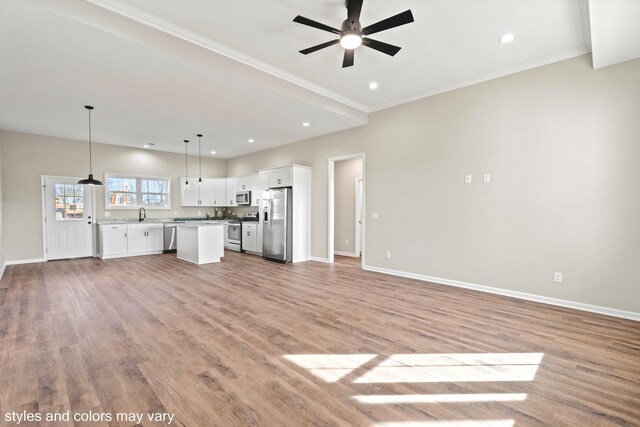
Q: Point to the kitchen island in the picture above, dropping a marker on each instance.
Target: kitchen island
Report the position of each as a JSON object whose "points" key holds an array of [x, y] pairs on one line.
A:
{"points": [[201, 243]]}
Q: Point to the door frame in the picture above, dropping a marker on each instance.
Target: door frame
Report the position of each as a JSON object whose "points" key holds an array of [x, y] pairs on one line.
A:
{"points": [[331, 177], [43, 203], [356, 244]]}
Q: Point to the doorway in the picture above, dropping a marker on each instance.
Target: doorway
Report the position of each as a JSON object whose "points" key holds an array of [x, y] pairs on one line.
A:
{"points": [[67, 214], [346, 201]]}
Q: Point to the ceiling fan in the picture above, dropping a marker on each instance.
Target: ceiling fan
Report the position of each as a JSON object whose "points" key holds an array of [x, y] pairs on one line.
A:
{"points": [[352, 35]]}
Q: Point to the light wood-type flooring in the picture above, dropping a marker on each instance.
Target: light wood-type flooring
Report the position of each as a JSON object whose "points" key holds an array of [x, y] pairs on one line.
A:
{"points": [[247, 342]]}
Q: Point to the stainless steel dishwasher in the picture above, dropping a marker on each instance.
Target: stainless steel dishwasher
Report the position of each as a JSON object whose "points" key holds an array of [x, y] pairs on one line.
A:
{"points": [[171, 236]]}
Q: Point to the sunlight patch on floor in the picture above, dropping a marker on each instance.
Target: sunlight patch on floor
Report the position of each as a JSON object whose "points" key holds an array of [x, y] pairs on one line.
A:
{"points": [[465, 367], [330, 367], [391, 399]]}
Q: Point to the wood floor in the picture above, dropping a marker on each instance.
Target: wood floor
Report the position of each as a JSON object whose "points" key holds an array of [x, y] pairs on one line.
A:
{"points": [[247, 342]]}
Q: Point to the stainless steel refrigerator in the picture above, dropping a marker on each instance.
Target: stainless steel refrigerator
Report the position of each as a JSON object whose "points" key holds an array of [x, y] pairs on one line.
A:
{"points": [[276, 225]]}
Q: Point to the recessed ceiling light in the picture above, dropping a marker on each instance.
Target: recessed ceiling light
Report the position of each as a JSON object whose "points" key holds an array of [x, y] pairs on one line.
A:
{"points": [[373, 85], [213, 152], [507, 38], [306, 124], [145, 146], [251, 141]]}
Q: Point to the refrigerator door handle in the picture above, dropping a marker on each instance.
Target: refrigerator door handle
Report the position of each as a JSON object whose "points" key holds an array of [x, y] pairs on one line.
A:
{"points": [[270, 216]]}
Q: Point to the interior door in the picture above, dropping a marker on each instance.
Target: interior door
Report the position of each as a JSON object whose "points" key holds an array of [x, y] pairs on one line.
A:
{"points": [[68, 219]]}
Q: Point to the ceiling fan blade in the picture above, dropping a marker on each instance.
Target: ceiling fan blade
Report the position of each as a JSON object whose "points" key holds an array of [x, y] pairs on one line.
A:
{"points": [[318, 47], [311, 23], [348, 58], [354, 7], [387, 48], [403, 18]]}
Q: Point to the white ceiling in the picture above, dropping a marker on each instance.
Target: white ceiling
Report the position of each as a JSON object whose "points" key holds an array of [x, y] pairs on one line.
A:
{"points": [[161, 71]]}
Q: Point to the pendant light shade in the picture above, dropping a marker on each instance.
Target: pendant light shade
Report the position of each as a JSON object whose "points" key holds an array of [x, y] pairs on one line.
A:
{"points": [[200, 158], [186, 165], [90, 180]]}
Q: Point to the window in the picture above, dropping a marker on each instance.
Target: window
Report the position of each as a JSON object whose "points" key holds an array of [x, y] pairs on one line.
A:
{"points": [[69, 202], [133, 192]]}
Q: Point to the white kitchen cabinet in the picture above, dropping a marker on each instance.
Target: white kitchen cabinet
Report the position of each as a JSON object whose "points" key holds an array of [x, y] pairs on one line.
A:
{"points": [[122, 240], [263, 180], [113, 240], [207, 192], [144, 239], [189, 196], [231, 187], [244, 183], [281, 177], [220, 192], [250, 237]]}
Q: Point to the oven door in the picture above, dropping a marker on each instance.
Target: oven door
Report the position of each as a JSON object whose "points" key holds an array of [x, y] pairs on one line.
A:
{"points": [[234, 233]]}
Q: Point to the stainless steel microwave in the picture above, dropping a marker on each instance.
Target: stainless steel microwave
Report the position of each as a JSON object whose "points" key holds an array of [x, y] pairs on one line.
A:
{"points": [[243, 198]]}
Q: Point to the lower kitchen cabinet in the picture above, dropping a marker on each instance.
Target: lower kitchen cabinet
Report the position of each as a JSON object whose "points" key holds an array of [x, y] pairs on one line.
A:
{"points": [[121, 240], [113, 240], [250, 237]]}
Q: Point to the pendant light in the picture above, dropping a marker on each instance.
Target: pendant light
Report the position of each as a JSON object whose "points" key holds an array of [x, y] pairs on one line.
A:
{"points": [[186, 165], [90, 180], [200, 158]]}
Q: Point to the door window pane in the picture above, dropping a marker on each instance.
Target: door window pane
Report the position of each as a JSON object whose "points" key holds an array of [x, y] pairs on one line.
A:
{"points": [[69, 202]]}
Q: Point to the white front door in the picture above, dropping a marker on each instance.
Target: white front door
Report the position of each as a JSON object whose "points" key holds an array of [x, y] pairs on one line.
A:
{"points": [[68, 219]]}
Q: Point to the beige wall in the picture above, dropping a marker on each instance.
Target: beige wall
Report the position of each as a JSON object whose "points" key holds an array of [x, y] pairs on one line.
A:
{"points": [[2, 257], [345, 173], [26, 157], [561, 143]]}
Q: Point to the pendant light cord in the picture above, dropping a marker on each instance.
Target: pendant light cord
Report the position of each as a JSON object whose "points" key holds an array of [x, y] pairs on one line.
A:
{"points": [[90, 152], [200, 156]]}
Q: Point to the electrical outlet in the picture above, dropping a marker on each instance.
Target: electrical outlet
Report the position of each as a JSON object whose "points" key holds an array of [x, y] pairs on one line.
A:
{"points": [[374, 215], [199, 213], [557, 277], [467, 179], [107, 214], [175, 213], [487, 177], [346, 241], [387, 254]]}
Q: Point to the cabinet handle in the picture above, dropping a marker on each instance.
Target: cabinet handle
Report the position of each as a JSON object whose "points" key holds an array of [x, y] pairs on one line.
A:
{"points": [[248, 234], [279, 181], [125, 234]]}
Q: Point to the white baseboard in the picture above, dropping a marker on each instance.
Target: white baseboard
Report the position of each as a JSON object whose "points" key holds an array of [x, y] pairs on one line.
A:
{"points": [[520, 295], [25, 261], [351, 254], [317, 259]]}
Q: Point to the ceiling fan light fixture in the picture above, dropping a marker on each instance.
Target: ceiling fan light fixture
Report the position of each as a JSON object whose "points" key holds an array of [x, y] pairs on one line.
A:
{"points": [[351, 39]]}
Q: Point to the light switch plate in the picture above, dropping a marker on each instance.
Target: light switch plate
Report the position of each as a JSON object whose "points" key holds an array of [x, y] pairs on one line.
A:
{"points": [[107, 214], [467, 179], [487, 177], [374, 215]]}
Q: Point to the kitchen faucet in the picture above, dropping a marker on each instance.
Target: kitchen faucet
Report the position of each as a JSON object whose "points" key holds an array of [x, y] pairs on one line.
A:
{"points": [[142, 214]]}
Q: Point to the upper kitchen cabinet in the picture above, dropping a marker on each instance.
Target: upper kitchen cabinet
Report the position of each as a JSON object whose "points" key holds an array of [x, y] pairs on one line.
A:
{"points": [[250, 183], [231, 189], [189, 196], [220, 192], [281, 177], [211, 192]]}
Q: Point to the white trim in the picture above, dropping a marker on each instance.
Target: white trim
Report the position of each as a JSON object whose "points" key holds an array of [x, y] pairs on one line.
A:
{"points": [[2, 268], [514, 294], [331, 201], [351, 254], [318, 259], [25, 261], [571, 53], [358, 209], [167, 27]]}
